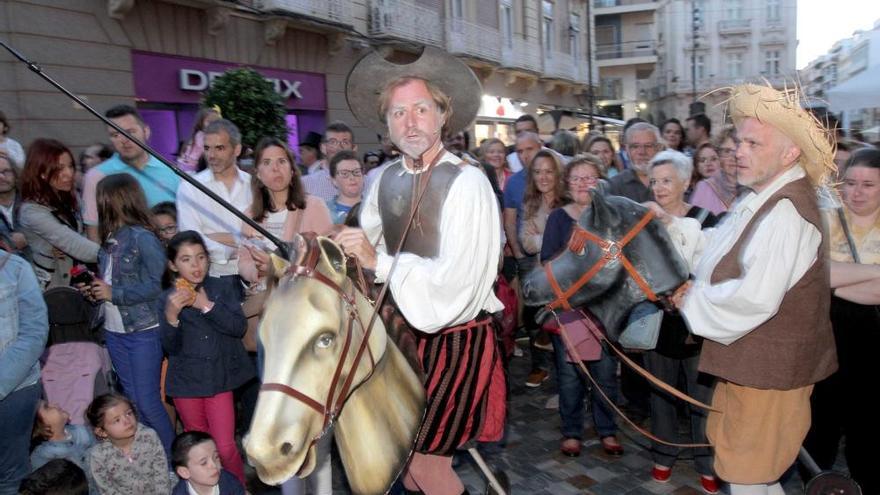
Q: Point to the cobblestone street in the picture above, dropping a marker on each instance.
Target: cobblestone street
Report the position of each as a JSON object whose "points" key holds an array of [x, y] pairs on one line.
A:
{"points": [[534, 465]]}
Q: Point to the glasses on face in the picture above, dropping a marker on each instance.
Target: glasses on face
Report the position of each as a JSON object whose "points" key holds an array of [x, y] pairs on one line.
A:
{"points": [[168, 229], [642, 147], [340, 143], [726, 151], [347, 174], [587, 179]]}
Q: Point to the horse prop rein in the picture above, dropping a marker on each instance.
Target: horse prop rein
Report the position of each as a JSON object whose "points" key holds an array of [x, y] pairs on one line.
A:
{"points": [[612, 251]]}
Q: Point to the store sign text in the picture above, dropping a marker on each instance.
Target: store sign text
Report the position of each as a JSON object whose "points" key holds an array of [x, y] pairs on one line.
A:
{"points": [[196, 80]]}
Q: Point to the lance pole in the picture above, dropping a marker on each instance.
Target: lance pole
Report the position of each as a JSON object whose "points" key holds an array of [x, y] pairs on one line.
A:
{"points": [[282, 247]]}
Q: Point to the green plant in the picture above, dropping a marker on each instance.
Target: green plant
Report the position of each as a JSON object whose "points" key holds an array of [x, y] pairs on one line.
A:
{"points": [[251, 103]]}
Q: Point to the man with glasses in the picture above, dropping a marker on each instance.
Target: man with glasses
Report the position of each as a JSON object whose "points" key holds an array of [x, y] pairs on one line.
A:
{"points": [[337, 137], [10, 200], [642, 143], [347, 175]]}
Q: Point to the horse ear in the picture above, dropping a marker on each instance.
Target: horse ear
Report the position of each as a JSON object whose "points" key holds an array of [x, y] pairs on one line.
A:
{"points": [[332, 260]]}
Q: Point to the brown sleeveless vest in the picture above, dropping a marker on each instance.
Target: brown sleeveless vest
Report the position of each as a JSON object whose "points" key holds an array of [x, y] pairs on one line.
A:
{"points": [[795, 347], [396, 199]]}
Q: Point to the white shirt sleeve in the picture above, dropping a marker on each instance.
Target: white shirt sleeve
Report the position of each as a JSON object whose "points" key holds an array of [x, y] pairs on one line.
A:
{"points": [[687, 237], [189, 218], [782, 248], [89, 196], [436, 293]]}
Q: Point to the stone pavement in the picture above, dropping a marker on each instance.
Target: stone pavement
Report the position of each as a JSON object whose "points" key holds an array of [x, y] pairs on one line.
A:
{"points": [[534, 465]]}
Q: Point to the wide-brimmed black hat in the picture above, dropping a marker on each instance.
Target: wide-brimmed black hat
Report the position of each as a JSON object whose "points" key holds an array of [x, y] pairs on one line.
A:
{"points": [[374, 72]]}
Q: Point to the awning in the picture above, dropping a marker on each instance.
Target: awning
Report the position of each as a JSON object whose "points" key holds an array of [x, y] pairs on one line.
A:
{"points": [[862, 91]]}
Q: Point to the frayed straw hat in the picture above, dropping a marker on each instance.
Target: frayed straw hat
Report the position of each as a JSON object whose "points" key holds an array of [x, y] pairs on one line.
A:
{"points": [[374, 72], [782, 110]]}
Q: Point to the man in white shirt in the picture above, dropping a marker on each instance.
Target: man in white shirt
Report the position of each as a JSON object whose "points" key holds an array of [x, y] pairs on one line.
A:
{"points": [[447, 263], [196, 211], [337, 137], [761, 293]]}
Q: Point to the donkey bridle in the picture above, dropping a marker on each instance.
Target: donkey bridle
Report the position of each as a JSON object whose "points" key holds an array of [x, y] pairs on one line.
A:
{"points": [[334, 402], [612, 250]]}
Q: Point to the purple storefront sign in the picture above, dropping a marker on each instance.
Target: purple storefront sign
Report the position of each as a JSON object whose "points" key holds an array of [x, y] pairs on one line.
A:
{"points": [[172, 79]]}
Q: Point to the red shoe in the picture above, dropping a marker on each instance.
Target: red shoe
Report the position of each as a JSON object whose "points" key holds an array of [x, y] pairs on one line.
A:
{"points": [[611, 446], [661, 475], [571, 447], [710, 484]]}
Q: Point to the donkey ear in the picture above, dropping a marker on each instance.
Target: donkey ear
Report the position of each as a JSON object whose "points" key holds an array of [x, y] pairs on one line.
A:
{"points": [[601, 213], [332, 261]]}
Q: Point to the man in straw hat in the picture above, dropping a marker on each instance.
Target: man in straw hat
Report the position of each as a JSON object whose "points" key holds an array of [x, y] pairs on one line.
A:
{"points": [[441, 280], [761, 294]]}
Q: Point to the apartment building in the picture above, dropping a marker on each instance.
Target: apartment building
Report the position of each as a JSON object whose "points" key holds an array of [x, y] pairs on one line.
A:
{"points": [[626, 53], [844, 80], [531, 55], [731, 42]]}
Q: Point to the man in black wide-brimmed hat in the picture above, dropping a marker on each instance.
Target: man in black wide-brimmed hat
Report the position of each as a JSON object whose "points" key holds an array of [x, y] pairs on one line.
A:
{"points": [[447, 263]]}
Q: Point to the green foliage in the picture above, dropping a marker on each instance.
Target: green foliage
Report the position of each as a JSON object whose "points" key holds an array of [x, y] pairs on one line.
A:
{"points": [[251, 103]]}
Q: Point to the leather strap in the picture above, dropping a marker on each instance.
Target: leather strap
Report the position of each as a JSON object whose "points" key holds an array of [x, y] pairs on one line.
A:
{"points": [[305, 399], [613, 251], [654, 380]]}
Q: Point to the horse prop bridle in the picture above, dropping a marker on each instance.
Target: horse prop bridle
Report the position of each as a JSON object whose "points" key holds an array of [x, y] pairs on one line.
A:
{"points": [[613, 251], [334, 402]]}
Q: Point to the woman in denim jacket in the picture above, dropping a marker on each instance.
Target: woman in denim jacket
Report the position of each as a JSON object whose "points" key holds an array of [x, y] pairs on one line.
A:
{"points": [[24, 326], [132, 260]]}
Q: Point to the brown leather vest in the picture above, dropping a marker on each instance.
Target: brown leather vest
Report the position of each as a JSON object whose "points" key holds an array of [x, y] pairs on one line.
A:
{"points": [[396, 200], [795, 347]]}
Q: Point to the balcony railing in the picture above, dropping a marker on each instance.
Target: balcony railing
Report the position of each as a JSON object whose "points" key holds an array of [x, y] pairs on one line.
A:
{"points": [[521, 54], [734, 25], [336, 11], [627, 49], [468, 38], [404, 20], [560, 66], [604, 4]]}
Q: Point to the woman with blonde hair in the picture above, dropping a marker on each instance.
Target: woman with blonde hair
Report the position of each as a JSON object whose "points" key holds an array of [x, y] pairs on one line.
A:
{"points": [[717, 164], [545, 191], [494, 156]]}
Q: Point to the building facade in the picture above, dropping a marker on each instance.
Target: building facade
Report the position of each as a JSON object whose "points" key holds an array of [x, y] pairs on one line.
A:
{"points": [[844, 80], [708, 44], [626, 53], [531, 55]]}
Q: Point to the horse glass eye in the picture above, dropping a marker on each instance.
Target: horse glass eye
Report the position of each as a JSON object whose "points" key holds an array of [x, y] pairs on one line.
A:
{"points": [[324, 341]]}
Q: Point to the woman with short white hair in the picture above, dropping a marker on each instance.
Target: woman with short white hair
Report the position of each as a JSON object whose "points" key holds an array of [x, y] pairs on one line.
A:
{"points": [[677, 351]]}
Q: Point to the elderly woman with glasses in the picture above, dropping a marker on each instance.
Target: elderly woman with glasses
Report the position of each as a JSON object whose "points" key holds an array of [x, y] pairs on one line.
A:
{"points": [[717, 191], [677, 351], [581, 176]]}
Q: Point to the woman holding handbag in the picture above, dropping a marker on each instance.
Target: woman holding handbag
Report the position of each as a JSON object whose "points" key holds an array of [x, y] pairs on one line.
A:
{"points": [[677, 351], [581, 175]]}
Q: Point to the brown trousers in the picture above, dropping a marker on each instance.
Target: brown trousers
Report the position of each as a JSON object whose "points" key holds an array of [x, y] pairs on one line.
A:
{"points": [[758, 433]]}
